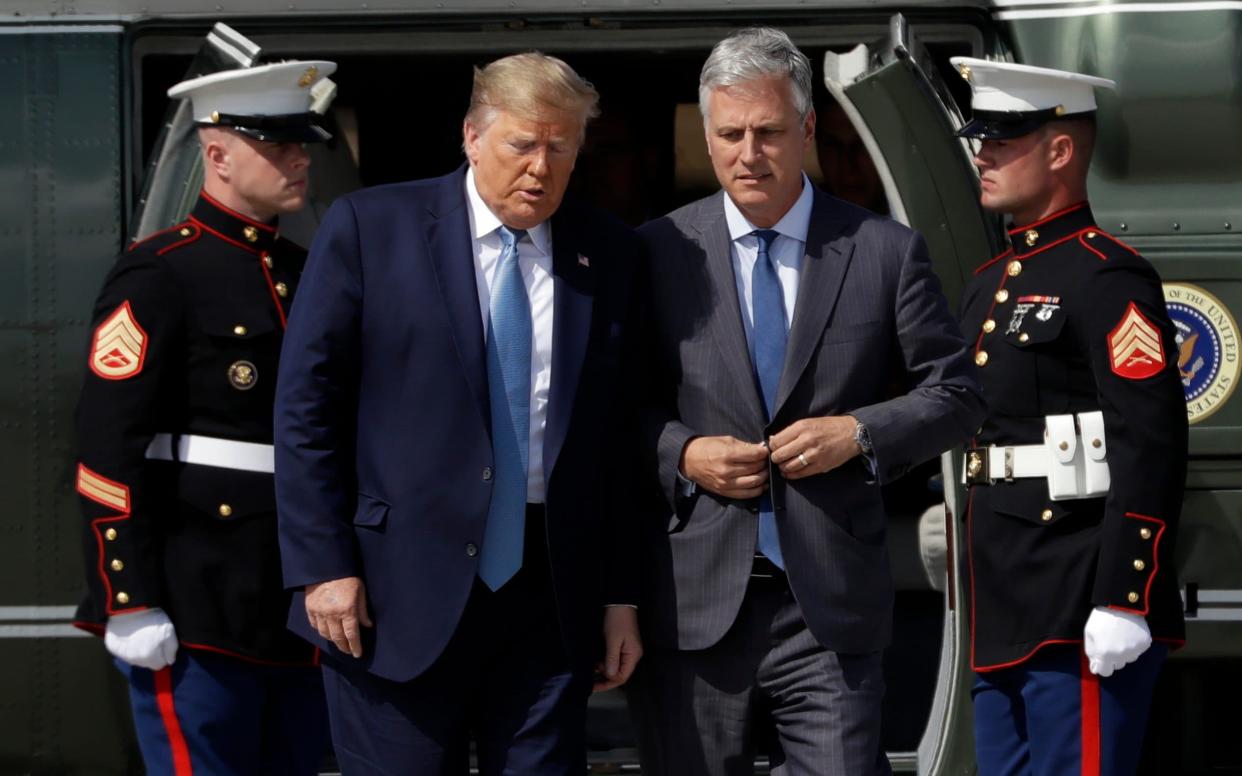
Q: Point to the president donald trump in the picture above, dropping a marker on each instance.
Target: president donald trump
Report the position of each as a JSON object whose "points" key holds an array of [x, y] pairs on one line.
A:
{"points": [[450, 378]]}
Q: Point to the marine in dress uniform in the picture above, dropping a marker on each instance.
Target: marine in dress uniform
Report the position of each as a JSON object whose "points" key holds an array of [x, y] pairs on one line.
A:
{"points": [[1076, 476], [175, 455]]}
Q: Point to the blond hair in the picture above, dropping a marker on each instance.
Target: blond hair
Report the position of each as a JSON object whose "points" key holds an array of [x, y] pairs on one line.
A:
{"points": [[530, 86]]}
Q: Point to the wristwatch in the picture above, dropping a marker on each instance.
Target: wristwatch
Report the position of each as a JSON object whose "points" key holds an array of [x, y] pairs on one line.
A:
{"points": [[862, 437]]}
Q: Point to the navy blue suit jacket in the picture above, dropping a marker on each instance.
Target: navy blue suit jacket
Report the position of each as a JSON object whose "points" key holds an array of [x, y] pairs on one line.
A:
{"points": [[382, 420]]}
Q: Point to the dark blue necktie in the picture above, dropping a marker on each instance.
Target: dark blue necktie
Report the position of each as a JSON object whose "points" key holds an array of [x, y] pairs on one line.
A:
{"points": [[770, 335], [508, 386]]}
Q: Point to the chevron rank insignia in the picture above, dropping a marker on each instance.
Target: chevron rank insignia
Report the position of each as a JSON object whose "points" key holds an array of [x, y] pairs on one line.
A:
{"points": [[120, 346], [1134, 346]]}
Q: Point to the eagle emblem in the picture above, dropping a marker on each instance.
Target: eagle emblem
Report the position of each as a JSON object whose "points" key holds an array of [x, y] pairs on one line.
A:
{"points": [[120, 345]]}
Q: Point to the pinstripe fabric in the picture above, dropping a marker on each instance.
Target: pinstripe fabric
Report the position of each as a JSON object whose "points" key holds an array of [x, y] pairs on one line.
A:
{"points": [[869, 316]]}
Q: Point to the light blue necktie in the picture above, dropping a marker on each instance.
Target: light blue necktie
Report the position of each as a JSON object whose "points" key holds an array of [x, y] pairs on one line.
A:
{"points": [[770, 335], [508, 387]]}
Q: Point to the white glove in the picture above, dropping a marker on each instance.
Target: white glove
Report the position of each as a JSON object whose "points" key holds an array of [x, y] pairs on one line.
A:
{"points": [[145, 639], [1113, 639]]}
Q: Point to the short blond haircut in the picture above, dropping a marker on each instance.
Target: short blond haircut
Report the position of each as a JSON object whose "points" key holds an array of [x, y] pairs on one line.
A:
{"points": [[530, 86]]}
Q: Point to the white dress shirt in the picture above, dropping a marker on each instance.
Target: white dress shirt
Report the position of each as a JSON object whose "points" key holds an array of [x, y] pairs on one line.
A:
{"points": [[535, 262], [786, 252]]}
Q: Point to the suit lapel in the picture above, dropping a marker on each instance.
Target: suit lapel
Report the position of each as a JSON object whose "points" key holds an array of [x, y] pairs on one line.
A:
{"points": [[452, 256], [572, 303], [726, 322], [826, 260]]}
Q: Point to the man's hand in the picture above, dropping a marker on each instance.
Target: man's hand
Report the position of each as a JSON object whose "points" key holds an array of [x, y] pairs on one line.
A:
{"points": [[726, 466], [1113, 639], [145, 639], [622, 647], [814, 446], [336, 609]]}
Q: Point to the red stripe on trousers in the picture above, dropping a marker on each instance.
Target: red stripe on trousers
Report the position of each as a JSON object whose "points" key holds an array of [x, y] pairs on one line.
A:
{"points": [[1090, 709], [176, 740]]}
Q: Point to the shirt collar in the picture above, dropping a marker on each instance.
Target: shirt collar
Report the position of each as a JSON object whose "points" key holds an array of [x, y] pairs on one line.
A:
{"points": [[484, 222], [794, 224]]}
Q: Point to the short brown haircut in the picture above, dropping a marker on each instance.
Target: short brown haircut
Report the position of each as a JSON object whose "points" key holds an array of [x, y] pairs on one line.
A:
{"points": [[530, 86]]}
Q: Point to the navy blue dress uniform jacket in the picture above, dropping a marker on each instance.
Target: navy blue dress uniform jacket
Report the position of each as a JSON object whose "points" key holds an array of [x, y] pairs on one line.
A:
{"points": [[1071, 320], [186, 335], [869, 315], [383, 449]]}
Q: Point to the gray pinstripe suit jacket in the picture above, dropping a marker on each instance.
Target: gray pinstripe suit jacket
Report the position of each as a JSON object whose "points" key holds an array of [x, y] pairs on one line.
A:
{"points": [[871, 336]]}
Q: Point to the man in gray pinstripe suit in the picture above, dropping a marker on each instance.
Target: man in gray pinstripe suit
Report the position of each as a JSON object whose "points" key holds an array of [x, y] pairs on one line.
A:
{"points": [[778, 320]]}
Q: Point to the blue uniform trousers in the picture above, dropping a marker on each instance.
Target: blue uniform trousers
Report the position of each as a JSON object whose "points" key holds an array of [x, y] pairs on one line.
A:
{"points": [[1050, 716], [222, 716]]}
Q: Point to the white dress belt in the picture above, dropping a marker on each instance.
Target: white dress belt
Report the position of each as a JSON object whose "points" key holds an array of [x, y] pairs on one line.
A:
{"points": [[1073, 458], [210, 451]]}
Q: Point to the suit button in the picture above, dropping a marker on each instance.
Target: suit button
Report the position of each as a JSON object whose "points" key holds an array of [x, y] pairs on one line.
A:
{"points": [[487, 473], [989, 326], [122, 598], [225, 510], [981, 358], [117, 565], [1014, 269], [282, 290], [472, 550], [1139, 565], [1132, 598], [267, 261], [1046, 515], [239, 330], [110, 534], [1145, 533], [1002, 296], [1024, 337], [185, 231]]}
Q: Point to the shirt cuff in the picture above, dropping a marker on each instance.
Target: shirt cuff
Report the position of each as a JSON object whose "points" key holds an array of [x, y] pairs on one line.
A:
{"points": [[686, 488]]}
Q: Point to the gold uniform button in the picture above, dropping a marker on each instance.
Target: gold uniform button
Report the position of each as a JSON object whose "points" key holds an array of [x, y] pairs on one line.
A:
{"points": [[252, 234], [1024, 337], [240, 330], [1145, 533], [1046, 515], [225, 510], [267, 261], [1090, 235], [1096, 443], [1014, 269], [282, 290], [122, 597], [215, 117], [1002, 296], [1031, 237], [1064, 445], [1139, 565], [989, 326], [117, 565], [185, 231], [981, 358], [1133, 597], [110, 534]]}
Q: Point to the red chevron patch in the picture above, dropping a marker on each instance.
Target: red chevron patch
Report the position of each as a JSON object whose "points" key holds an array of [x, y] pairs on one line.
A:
{"points": [[1134, 346]]}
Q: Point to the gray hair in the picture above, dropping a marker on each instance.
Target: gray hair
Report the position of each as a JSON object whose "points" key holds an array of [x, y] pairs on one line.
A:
{"points": [[753, 53]]}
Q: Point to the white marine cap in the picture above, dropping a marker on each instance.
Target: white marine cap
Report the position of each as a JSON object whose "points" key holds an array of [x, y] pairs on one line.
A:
{"points": [[1011, 100], [268, 102]]}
